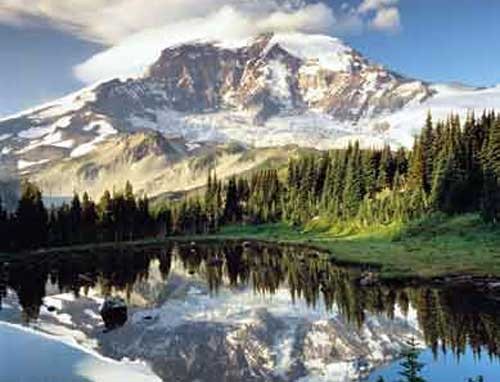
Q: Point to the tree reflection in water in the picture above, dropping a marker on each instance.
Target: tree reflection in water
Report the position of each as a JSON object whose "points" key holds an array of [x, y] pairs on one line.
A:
{"points": [[451, 318]]}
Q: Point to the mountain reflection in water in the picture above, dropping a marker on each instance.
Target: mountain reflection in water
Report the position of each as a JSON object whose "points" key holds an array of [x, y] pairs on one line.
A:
{"points": [[450, 317]]}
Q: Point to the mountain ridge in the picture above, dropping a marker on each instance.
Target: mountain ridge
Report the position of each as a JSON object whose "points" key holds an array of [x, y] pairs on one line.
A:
{"points": [[272, 90]]}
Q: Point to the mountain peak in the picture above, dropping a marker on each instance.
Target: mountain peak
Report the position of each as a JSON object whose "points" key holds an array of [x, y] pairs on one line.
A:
{"points": [[328, 52], [270, 90]]}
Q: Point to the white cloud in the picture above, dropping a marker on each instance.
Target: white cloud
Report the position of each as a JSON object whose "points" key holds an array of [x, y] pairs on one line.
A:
{"points": [[110, 21], [229, 24], [375, 5], [312, 18], [387, 19], [385, 14], [136, 31]]}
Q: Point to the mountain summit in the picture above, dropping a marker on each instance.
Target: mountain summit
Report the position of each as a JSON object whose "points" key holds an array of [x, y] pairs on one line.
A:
{"points": [[273, 90]]}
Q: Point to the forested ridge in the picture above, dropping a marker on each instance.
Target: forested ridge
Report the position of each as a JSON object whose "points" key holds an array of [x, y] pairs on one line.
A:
{"points": [[453, 168]]}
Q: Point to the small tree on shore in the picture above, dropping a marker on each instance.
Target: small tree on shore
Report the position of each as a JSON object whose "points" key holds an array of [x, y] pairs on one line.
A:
{"points": [[411, 366]]}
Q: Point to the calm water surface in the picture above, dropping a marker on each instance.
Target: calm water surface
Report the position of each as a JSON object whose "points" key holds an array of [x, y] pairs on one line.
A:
{"points": [[234, 312]]}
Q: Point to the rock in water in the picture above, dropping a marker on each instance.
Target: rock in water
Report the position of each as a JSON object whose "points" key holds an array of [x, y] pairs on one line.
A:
{"points": [[114, 312], [368, 279]]}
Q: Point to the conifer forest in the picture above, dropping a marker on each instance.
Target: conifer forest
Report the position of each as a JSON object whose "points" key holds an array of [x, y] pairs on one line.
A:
{"points": [[453, 168]]}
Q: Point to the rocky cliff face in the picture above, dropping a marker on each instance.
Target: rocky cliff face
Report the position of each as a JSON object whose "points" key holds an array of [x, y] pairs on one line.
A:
{"points": [[272, 75], [309, 90]]}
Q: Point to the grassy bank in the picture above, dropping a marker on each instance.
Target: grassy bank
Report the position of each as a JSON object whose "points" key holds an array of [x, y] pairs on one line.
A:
{"points": [[434, 247], [429, 248]]}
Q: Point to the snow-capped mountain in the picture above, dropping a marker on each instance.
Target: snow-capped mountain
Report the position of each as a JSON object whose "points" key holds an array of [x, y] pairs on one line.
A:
{"points": [[273, 90]]}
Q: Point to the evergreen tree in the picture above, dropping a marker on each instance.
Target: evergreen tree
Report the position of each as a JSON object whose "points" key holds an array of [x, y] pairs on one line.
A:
{"points": [[75, 219], [387, 169], [63, 224], [164, 221], [401, 162], [416, 176], [371, 164], [427, 155], [31, 217], [128, 211], [89, 219], [440, 184], [143, 226], [477, 379], [490, 201], [121, 218], [106, 216], [232, 210], [4, 244], [353, 191], [411, 366]]}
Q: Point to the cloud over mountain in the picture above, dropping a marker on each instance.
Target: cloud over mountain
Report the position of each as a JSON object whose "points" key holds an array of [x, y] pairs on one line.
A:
{"points": [[111, 21], [134, 32], [132, 55]]}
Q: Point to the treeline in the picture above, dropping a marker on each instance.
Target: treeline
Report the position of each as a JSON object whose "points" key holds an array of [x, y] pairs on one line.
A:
{"points": [[116, 217], [452, 168]]}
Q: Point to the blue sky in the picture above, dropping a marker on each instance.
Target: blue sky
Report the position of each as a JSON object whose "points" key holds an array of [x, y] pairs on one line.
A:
{"points": [[441, 40], [434, 40], [36, 65]]}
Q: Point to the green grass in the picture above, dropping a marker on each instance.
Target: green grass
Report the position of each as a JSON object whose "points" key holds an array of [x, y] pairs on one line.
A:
{"points": [[434, 247], [429, 248]]}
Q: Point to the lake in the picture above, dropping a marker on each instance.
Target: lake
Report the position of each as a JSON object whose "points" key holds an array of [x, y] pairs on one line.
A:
{"points": [[233, 311]]}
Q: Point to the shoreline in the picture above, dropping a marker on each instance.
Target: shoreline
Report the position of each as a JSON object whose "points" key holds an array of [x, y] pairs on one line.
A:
{"points": [[457, 250]]}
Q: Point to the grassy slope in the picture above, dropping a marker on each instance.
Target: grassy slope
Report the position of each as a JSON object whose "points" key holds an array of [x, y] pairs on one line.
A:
{"points": [[435, 247]]}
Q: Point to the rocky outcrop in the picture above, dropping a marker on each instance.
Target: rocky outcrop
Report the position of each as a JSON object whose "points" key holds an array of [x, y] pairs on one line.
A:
{"points": [[273, 75], [114, 313]]}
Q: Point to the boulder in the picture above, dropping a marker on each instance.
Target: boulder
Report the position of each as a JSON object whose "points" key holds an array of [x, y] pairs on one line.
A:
{"points": [[368, 279], [114, 312]]}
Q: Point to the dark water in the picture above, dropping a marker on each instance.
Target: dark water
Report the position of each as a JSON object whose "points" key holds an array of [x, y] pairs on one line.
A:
{"points": [[264, 312]]}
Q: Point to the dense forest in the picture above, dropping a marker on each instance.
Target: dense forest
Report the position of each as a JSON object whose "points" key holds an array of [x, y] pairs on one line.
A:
{"points": [[453, 168], [116, 217]]}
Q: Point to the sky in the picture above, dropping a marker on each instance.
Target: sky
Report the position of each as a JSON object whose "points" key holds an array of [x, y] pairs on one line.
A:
{"points": [[49, 48]]}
